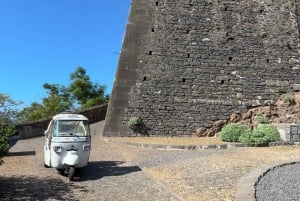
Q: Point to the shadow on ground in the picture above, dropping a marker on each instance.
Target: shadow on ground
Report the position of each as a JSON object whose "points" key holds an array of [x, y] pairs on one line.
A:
{"points": [[21, 153], [98, 169], [32, 188], [12, 141]]}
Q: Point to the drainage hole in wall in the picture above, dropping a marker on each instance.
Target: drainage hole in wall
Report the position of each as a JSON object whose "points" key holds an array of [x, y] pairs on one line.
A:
{"points": [[230, 39]]}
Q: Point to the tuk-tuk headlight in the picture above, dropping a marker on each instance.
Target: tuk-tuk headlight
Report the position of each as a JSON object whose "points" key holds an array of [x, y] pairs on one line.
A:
{"points": [[86, 147], [57, 149]]}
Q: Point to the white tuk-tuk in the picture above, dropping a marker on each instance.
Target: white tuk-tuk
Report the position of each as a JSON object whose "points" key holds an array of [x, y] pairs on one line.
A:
{"points": [[67, 143]]}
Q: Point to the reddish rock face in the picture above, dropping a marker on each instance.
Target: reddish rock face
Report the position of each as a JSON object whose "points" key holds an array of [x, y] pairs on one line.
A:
{"points": [[285, 110]]}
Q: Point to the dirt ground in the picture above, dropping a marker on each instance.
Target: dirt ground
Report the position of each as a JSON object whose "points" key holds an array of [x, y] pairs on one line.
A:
{"points": [[213, 177]]}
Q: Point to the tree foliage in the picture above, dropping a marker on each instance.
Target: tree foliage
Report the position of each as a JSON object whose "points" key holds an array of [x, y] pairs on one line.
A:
{"points": [[80, 94], [7, 116], [84, 91]]}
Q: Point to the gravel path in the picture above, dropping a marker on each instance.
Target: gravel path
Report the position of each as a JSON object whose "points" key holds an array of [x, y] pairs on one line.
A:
{"points": [[281, 183], [109, 176]]}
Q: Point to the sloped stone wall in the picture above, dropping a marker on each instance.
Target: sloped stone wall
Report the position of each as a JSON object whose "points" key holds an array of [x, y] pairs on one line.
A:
{"points": [[186, 64]]}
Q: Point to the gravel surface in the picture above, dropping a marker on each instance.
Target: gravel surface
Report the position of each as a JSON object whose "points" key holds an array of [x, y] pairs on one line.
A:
{"points": [[163, 158], [281, 183]]}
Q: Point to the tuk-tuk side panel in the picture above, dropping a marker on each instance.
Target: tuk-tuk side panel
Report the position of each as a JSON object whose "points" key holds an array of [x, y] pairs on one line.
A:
{"points": [[47, 145]]}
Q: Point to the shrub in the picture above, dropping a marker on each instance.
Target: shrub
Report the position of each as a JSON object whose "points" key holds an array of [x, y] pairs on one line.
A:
{"points": [[270, 131], [232, 132], [134, 122], [261, 136], [262, 119], [288, 97], [5, 131]]}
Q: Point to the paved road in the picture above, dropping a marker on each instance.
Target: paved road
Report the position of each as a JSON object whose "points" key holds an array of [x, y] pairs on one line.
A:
{"points": [[115, 172], [119, 172], [107, 177]]}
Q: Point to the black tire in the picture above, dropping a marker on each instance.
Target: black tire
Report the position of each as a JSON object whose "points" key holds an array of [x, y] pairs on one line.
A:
{"points": [[71, 173], [61, 171], [46, 166]]}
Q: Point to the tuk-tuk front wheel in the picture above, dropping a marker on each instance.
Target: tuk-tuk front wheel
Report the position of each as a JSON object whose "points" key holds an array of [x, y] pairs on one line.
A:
{"points": [[46, 166], [71, 173]]}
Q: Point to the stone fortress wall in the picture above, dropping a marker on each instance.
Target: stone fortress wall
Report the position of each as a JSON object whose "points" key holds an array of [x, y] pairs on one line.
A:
{"points": [[185, 64]]}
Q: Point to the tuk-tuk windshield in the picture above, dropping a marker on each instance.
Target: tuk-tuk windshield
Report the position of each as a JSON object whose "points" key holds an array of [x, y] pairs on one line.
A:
{"points": [[71, 128]]}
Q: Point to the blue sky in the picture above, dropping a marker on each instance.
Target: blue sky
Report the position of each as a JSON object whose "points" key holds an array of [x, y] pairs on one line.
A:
{"points": [[44, 41]]}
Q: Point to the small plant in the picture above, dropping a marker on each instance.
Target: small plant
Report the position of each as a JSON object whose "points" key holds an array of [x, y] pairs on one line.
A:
{"points": [[261, 136], [134, 123], [288, 97], [281, 90], [232, 132], [269, 103], [262, 119]]}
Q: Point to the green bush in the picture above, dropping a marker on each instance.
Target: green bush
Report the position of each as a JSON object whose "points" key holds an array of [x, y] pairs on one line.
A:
{"points": [[5, 132], [134, 122], [232, 132], [288, 97], [261, 136], [270, 131], [262, 119]]}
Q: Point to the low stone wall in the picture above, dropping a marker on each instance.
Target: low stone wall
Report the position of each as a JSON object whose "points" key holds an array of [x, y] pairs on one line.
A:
{"points": [[37, 128], [289, 133], [293, 133]]}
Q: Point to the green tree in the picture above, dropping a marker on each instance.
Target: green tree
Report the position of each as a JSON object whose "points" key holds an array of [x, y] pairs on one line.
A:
{"points": [[7, 116], [84, 92], [58, 100], [81, 94], [34, 112]]}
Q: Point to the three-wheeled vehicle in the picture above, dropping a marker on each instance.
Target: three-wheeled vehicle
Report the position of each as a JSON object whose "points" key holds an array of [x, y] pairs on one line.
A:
{"points": [[67, 143]]}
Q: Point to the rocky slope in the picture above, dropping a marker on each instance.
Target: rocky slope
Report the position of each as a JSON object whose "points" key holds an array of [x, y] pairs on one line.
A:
{"points": [[285, 110]]}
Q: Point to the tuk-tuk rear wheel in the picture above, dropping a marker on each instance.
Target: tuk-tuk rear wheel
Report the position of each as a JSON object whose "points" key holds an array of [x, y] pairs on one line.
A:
{"points": [[71, 173]]}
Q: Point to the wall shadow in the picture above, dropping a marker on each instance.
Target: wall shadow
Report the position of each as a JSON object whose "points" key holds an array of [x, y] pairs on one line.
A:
{"points": [[21, 153], [12, 141], [32, 188], [98, 169]]}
